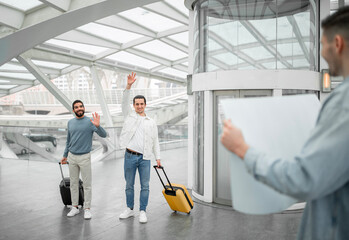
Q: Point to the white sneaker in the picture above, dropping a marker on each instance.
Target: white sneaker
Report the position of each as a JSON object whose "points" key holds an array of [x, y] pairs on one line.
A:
{"points": [[88, 214], [143, 217], [126, 214], [73, 212]]}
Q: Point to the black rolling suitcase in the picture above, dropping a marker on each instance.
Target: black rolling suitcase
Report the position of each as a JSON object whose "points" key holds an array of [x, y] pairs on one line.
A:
{"points": [[64, 188]]}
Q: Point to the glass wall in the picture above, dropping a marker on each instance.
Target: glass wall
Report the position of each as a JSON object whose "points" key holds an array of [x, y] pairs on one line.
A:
{"points": [[48, 144], [222, 189], [79, 84], [255, 35]]}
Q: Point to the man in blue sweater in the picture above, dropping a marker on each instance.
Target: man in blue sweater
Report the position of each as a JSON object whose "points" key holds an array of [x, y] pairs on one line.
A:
{"points": [[77, 153]]}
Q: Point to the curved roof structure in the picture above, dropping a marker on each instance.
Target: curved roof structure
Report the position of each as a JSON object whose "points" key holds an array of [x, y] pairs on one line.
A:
{"points": [[42, 40]]}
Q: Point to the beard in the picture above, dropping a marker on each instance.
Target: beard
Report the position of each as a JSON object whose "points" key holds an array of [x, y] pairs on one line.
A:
{"points": [[334, 63], [80, 113], [334, 70]]}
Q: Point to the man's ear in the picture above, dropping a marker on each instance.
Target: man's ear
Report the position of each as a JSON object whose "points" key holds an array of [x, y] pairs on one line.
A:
{"points": [[339, 41]]}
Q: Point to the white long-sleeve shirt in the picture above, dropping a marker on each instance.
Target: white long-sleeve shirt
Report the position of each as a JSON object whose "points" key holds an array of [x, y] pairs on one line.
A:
{"points": [[151, 145]]}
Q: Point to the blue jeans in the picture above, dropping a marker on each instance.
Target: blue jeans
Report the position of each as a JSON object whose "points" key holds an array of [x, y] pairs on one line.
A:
{"points": [[132, 162]]}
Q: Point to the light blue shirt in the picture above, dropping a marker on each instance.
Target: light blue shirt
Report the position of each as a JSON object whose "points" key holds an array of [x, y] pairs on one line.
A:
{"points": [[79, 136], [319, 174]]}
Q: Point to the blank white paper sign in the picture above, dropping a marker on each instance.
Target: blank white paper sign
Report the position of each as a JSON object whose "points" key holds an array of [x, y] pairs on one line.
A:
{"points": [[278, 126]]}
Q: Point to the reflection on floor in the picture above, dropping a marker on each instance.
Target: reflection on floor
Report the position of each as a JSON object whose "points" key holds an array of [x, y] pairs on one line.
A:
{"points": [[31, 208]]}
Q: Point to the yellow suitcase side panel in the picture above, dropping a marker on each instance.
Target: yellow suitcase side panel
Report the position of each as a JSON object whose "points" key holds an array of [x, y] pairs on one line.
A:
{"points": [[186, 192], [178, 202]]}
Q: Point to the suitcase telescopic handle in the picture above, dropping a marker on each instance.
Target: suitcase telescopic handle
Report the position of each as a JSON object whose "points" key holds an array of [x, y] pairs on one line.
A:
{"points": [[60, 166], [161, 167]]}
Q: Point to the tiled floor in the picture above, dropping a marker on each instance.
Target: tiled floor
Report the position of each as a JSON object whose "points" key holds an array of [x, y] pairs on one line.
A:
{"points": [[31, 208]]}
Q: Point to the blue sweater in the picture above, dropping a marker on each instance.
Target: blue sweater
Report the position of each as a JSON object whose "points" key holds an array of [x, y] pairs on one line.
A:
{"points": [[79, 137]]}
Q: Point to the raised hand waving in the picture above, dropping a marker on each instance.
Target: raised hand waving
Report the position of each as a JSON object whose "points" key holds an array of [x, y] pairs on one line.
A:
{"points": [[95, 119], [131, 78]]}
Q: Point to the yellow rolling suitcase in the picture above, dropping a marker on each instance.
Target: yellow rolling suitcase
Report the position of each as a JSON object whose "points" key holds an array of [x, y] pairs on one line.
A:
{"points": [[176, 195]]}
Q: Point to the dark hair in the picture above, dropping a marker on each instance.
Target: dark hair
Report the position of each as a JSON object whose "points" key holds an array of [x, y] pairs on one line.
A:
{"points": [[77, 101], [337, 23], [139, 97]]}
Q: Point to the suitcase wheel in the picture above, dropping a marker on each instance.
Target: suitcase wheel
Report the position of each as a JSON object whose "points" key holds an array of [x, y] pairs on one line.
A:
{"points": [[188, 212]]}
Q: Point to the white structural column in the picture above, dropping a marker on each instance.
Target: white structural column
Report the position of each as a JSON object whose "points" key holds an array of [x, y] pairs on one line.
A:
{"points": [[100, 94], [108, 145], [26, 38], [28, 64], [191, 103]]}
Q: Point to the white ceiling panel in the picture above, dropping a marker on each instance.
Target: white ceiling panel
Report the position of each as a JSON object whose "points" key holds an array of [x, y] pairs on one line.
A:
{"points": [[13, 67], [181, 38], [132, 59], [77, 46], [149, 19], [161, 49], [179, 5], [7, 86], [17, 75], [54, 65], [23, 5], [110, 33], [174, 72]]}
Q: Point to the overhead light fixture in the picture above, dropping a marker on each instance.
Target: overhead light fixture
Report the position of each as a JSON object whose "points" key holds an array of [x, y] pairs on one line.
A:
{"points": [[325, 81]]}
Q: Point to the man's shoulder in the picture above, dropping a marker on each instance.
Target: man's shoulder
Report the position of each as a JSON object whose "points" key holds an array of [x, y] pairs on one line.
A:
{"points": [[339, 97], [132, 114], [72, 120], [150, 119]]}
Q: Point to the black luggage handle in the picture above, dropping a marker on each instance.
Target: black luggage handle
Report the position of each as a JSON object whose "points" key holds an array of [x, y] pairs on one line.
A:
{"points": [[161, 167], [60, 166]]}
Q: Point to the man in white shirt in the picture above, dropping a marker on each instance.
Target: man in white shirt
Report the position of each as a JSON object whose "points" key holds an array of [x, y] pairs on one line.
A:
{"points": [[139, 136]]}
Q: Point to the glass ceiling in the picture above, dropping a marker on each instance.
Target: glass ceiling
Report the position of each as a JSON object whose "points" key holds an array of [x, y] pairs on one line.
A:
{"points": [[153, 37], [129, 38], [23, 5], [109, 33]]}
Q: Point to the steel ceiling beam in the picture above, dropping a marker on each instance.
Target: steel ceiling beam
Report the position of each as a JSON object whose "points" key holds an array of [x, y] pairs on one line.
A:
{"points": [[44, 80], [79, 36], [60, 5], [149, 56], [125, 24], [20, 88], [167, 11], [175, 44], [17, 81], [85, 12], [40, 53], [298, 35]]}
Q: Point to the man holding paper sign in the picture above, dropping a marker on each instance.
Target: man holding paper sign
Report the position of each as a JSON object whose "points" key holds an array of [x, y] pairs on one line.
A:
{"points": [[319, 174]]}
